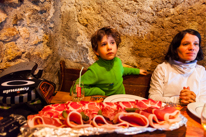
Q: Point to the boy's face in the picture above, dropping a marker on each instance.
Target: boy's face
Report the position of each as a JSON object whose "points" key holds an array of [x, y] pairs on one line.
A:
{"points": [[107, 48]]}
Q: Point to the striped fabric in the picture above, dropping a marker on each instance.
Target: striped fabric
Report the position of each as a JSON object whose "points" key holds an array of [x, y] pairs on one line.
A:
{"points": [[6, 102]]}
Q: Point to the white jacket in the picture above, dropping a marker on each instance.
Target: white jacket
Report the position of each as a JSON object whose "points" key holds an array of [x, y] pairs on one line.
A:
{"points": [[168, 79]]}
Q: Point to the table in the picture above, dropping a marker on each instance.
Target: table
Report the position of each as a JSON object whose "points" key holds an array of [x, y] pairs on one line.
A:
{"points": [[193, 129]]}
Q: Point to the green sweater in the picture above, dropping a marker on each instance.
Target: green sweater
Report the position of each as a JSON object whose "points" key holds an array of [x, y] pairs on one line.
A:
{"points": [[104, 77]]}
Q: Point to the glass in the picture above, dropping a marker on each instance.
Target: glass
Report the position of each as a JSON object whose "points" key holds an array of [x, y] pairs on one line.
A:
{"points": [[203, 118], [77, 91]]}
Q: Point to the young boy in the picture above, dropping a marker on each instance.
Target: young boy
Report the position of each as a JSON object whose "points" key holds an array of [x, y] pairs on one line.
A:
{"points": [[104, 77]]}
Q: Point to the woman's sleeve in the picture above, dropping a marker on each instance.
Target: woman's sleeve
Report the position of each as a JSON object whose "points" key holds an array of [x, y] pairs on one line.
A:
{"points": [[202, 95], [156, 91]]}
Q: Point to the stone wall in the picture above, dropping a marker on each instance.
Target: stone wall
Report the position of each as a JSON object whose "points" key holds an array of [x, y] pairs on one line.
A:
{"points": [[28, 30], [47, 31]]}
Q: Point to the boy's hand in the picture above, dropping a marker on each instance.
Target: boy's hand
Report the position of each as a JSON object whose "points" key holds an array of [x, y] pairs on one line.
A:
{"points": [[143, 72]]}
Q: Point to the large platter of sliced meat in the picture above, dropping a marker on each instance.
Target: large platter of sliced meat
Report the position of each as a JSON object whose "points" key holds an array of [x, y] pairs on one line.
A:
{"points": [[90, 118]]}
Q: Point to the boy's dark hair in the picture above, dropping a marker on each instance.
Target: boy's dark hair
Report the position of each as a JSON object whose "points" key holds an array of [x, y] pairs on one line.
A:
{"points": [[172, 51], [99, 34]]}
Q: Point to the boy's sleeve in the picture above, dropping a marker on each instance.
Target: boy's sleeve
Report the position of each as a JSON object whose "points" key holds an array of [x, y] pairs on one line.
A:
{"points": [[89, 78], [93, 91], [131, 71]]}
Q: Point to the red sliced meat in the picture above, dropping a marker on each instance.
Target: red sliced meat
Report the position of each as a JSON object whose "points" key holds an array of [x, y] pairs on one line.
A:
{"points": [[90, 108], [143, 104], [153, 120], [121, 105], [114, 115], [53, 111], [133, 119], [57, 107], [74, 120], [109, 109], [41, 121], [123, 125], [51, 114], [73, 106], [100, 121], [29, 117], [166, 113]]}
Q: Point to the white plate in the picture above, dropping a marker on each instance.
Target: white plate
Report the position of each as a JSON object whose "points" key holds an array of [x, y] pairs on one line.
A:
{"points": [[195, 108], [122, 97]]}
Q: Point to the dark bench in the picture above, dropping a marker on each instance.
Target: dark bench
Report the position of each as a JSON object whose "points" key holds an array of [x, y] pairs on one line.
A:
{"points": [[134, 84]]}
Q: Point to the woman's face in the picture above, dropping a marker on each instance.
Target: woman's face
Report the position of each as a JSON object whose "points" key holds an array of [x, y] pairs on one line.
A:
{"points": [[188, 49]]}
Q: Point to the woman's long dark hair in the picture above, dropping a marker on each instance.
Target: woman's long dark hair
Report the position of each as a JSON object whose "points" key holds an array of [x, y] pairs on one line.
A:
{"points": [[171, 53]]}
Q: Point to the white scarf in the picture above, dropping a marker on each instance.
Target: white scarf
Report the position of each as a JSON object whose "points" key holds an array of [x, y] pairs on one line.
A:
{"points": [[183, 68]]}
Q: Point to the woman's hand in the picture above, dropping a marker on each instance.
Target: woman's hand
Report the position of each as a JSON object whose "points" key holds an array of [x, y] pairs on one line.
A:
{"points": [[187, 96], [143, 72]]}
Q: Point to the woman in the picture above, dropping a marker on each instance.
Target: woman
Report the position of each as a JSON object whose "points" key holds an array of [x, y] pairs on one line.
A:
{"points": [[180, 79]]}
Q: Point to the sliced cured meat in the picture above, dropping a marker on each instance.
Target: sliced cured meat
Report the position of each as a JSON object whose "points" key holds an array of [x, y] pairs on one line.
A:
{"points": [[56, 107], [126, 104], [29, 117], [52, 111], [123, 125], [100, 121], [51, 114], [73, 106], [109, 109], [90, 109], [113, 115], [143, 104], [153, 120], [166, 113], [41, 121], [133, 119], [74, 120]]}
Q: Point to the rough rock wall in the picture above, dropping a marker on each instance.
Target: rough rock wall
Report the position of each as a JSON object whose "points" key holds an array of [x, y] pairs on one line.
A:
{"points": [[47, 31], [28, 29], [147, 28]]}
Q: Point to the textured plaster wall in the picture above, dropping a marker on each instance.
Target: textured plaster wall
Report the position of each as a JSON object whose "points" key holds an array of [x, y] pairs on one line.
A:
{"points": [[47, 31]]}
